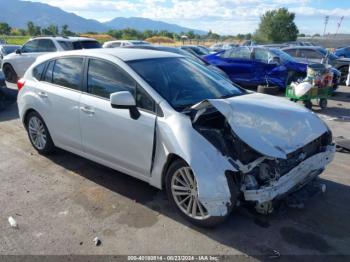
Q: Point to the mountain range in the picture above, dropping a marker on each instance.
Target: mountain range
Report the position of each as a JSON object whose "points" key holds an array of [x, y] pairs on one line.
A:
{"points": [[17, 13]]}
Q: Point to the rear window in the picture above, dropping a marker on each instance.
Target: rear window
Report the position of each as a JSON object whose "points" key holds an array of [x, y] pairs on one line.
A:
{"points": [[88, 44], [38, 71], [67, 72], [10, 49]]}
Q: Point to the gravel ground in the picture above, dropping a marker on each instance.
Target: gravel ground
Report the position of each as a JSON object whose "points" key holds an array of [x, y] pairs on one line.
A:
{"points": [[63, 202]]}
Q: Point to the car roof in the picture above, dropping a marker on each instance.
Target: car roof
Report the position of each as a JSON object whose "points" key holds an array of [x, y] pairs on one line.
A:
{"points": [[302, 47], [64, 38], [124, 54]]}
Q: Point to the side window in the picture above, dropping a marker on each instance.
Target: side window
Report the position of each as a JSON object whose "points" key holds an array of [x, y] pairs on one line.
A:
{"points": [[38, 71], [105, 79], [291, 52], [240, 53], [67, 72], [143, 100], [48, 74], [306, 53], [262, 55], [115, 44], [31, 47], [46, 45]]}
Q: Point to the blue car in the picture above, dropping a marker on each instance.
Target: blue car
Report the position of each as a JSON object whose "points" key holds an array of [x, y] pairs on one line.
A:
{"points": [[253, 66], [343, 52]]}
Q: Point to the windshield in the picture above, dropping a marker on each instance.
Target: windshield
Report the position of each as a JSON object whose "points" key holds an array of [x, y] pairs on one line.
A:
{"points": [[183, 82], [282, 55], [139, 43], [69, 45], [11, 48]]}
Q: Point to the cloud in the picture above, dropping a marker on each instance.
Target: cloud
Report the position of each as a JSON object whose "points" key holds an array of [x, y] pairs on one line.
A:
{"points": [[222, 16]]}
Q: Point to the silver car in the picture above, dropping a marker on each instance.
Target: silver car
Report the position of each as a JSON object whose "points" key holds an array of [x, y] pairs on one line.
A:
{"points": [[176, 125]]}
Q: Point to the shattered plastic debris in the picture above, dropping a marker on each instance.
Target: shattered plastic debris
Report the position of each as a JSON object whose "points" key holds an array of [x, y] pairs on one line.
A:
{"points": [[13, 222], [97, 241], [336, 118], [275, 254], [343, 144]]}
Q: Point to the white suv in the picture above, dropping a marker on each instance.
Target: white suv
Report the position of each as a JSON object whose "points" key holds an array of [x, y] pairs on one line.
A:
{"points": [[15, 65], [123, 43]]}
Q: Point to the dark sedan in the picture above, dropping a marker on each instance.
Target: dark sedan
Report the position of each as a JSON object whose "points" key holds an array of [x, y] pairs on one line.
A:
{"points": [[319, 54]]}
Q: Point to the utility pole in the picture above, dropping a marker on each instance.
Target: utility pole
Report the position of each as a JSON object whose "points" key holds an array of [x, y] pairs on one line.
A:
{"points": [[326, 18], [339, 24]]}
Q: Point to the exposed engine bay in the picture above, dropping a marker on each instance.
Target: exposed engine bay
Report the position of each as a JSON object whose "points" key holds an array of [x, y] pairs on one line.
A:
{"points": [[262, 178]]}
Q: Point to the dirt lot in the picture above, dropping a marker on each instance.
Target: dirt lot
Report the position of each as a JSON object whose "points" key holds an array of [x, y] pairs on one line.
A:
{"points": [[61, 203]]}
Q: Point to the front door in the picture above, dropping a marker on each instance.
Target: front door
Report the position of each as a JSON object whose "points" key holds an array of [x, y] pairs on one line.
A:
{"points": [[110, 135]]}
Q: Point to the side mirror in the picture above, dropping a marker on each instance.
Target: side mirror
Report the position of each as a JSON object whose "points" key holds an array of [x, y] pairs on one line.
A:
{"points": [[18, 51], [125, 100], [276, 60]]}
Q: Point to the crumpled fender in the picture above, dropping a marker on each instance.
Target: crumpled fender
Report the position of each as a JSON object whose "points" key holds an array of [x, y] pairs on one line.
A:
{"points": [[175, 135]]}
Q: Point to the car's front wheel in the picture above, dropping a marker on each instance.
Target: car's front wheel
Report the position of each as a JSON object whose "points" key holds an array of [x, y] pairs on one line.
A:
{"points": [[181, 186], [38, 134]]}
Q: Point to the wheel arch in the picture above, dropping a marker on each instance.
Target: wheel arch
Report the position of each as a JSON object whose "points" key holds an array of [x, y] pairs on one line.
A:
{"points": [[171, 158]]}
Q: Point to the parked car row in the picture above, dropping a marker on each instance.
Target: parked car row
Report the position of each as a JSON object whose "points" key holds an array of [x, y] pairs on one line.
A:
{"points": [[169, 121]]}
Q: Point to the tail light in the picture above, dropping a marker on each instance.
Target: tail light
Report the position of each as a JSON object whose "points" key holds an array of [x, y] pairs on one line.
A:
{"points": [[20, 83]]}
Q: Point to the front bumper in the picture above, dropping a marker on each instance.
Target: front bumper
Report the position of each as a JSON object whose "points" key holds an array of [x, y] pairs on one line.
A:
{"points": [[299, 175]]}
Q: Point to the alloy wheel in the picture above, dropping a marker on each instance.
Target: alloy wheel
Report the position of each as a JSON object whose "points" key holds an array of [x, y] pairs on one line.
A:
{"points": [[185, 193], [37, 132]]}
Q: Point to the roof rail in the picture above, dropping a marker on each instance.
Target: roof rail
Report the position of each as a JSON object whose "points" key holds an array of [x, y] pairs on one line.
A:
{"points": [[63, 36]]}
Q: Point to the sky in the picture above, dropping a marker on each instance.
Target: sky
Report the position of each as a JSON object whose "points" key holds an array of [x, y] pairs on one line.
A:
{"points": [[220, 16]]}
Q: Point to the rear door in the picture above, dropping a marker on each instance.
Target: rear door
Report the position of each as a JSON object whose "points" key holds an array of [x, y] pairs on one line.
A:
{"points": [[110, 135], [238, 64], [60, 92]]}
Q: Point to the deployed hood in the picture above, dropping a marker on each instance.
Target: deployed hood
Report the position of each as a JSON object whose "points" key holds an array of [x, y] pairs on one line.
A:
{"points": [[270, 125]]}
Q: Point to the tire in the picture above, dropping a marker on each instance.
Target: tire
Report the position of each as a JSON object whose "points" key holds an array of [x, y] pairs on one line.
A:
{"points": [[344, 70], [10, 74], [308, 104], [269, 90], [201, 217], [38, 134], [323, 103]]}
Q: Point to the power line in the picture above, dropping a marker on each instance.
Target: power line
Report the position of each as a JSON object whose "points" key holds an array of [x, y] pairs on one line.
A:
{"points": [[339, 24], [326, 18]]}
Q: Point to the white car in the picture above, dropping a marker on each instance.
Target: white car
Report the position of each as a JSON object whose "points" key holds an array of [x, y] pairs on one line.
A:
{"points": [[15, 65], [124, 43], [173, 123]]}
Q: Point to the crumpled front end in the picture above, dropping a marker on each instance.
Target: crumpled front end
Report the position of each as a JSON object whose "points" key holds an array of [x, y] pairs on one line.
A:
{"points": [[272, 151], [297, 177]]}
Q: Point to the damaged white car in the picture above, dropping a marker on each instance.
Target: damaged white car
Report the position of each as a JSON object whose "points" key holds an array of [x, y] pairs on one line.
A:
{"points": [[176, 125]]}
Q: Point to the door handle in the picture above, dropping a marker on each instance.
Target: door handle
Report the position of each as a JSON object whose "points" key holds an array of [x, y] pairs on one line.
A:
{"points": [[42, 94], [87, 110]]}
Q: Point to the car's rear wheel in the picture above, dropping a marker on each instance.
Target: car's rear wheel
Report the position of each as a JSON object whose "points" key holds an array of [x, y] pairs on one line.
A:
{"points": [[38, 134], [269, 90], [10, 74], [181, 185], [344, 70]]}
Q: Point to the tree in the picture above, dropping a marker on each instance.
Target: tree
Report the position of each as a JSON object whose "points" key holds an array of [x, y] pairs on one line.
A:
{"points": [[277, 26], [32, 29], [5, 29]]}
